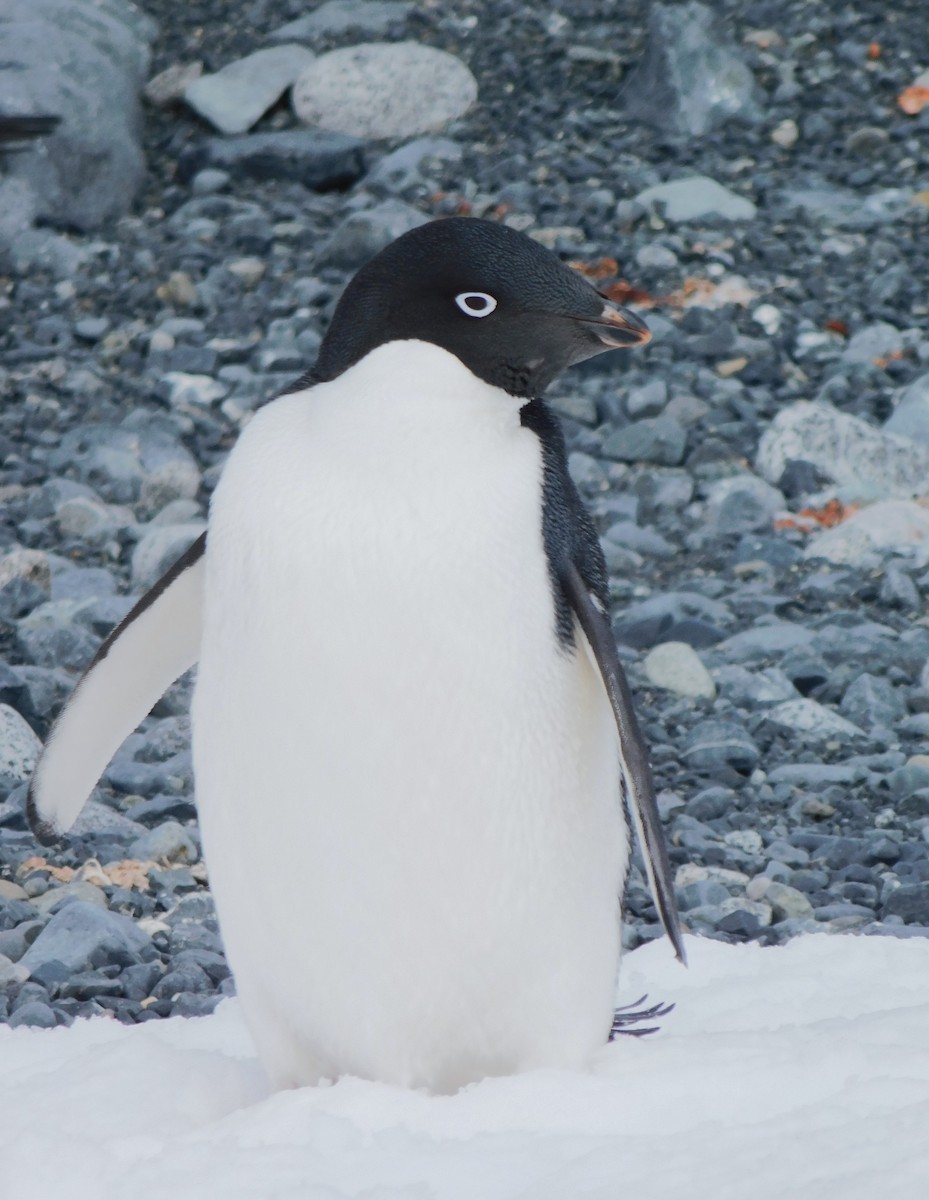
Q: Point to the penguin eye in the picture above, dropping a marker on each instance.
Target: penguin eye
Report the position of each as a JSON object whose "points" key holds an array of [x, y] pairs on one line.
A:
{"points": [[475, 304]]}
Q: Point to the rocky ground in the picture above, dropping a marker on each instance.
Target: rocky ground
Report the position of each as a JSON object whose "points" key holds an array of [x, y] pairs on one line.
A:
{"points": [[759, 472]]}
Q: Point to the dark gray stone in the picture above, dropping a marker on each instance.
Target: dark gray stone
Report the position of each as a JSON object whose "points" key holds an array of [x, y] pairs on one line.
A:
{"points": [[319, 160], [911, 902], [691, 78], [660, 440], [713, 744]]}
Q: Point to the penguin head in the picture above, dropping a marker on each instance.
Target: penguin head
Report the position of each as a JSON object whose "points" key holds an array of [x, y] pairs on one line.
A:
{"points": [[510, 310]]}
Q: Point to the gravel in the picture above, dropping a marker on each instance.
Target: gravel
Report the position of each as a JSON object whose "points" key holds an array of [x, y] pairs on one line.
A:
{"points": [[757, 471]]}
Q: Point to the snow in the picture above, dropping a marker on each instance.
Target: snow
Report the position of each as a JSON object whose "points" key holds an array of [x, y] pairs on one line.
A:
{"points": [[800, 1071]]}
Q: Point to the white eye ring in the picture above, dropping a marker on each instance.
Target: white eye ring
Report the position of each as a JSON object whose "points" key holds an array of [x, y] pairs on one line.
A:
{"points": [[475, 304]]}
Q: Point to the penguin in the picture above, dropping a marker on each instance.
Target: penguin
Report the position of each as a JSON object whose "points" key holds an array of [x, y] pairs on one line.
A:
{"points": [[415, 749]]}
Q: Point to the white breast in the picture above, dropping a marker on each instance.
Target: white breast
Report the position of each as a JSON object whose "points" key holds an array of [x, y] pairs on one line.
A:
{"points": [[409, 794]]}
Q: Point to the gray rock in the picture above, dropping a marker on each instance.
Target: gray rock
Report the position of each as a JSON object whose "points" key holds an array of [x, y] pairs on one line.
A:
{"points": [[812, 720], [46, 642], [317, 159], [655, 257], [655, 439], [695, 198], [910, 418], [201, 391], [159, 549], [19, 746], [169, 85], [874, 341], [743, 503], [33, 1015], [78, 891], [97, 818], [677, 667], [691, 78], [363, 234], [402, 166], [755, 688], [711, 803], [168, 842], [83, 936], [648, 400], [713, 744], [11, 972], [233, 99], [92, 520], [899, 591], [118, 460], [911, 902], [373, 18], [639, 538], [871, 700], [766, 641], [384, 90], [861, 540], [846, 450], [88, 62], [695, 895]]}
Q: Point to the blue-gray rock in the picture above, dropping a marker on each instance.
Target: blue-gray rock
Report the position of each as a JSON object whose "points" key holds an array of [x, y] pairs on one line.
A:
{"points": [[379, 90], [403, 166], [98, 819], [691, 78], [677, 667], [34, 1015], [909, 901], [50, 643], [868, 534], [87, 61], [363, 234], [660, 440], [373, 18], [695, 198], [743, 503], [186, 978], [711, 803], [910, 418], [871, 700], [168, 842], [899, 591], [318, 159], [714, 744], [642, 539], [906, 780], [237, 96], [766, 641], [83, 937], [873, 341]]}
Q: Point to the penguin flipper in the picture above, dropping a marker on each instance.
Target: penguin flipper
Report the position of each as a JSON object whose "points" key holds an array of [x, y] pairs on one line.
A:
{"points": [[636, 771], [151, 647]]}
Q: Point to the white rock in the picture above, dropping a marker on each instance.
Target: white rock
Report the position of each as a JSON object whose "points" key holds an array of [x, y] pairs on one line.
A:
{"points": [[785, 133], [696, 872], [677, 667], [384, 90], [848, 450], [19, 746], [768, 317], [199, 390], [813, 719], [695, 198], [85, 517], [748, 840], [236, 97], [21, 563], [887, 525]]}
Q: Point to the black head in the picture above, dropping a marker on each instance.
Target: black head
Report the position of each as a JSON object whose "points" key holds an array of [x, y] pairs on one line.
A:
{"points": [[510, 310]]}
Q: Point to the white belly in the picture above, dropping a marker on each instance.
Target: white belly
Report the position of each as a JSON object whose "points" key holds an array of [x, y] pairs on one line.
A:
{"points": [[409, 798]]}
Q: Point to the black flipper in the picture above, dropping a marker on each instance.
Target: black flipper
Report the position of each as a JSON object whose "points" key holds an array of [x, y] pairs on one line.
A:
{"points": [[636, 771]]}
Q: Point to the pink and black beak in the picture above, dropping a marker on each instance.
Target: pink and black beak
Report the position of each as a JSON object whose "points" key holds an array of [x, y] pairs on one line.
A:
{"points": [[617, 328]]}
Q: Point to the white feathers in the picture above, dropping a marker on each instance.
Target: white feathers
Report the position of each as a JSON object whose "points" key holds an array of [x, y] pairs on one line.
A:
{"points": [[409, 793], [152, 649]]}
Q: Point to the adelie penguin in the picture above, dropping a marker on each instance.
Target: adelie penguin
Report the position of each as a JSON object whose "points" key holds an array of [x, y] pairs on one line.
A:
{"points": [[414, 746]]}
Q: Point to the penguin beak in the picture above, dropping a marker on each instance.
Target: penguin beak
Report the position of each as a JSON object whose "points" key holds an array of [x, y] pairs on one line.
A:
{"points": [[617, 327]]}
